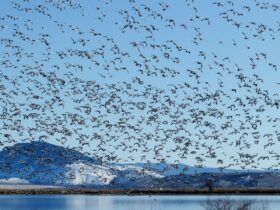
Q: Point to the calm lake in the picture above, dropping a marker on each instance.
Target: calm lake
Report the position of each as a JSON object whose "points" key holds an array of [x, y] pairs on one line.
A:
{"points": [[108, 202]]}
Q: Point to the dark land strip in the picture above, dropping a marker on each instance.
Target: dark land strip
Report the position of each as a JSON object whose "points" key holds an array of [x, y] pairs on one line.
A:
{"points": [[90, 191]]}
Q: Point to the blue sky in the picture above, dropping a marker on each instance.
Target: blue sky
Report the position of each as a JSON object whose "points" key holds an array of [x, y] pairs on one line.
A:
{"points": [[67, 26]]}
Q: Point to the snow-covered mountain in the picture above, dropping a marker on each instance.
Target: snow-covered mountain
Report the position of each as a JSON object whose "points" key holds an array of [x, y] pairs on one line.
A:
{"points": [[47, 164], [167, 169], [43, 163]]}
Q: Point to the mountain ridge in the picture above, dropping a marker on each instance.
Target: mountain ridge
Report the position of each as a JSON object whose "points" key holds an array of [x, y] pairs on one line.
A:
{"points": [[43, 163]]}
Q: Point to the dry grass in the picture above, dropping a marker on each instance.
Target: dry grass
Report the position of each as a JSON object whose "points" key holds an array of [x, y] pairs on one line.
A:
{"points": [[52, 190]]}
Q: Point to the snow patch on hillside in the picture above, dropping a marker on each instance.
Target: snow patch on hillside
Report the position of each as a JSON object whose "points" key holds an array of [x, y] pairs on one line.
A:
{"points": [[137, 171], [87, 174], [13, 181]]}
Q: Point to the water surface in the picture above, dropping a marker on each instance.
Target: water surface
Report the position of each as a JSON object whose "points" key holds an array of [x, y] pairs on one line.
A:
{"points": [[109, 202]]}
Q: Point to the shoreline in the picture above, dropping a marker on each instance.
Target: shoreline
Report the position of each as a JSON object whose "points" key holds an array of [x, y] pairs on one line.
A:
{"points": [[88, 191]]}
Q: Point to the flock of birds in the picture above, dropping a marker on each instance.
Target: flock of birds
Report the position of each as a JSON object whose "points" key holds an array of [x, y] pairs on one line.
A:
{"points": [[149, 81]]}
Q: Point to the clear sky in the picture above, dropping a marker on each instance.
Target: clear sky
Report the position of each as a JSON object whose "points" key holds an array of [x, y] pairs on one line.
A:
{"points": [[203, 42]]}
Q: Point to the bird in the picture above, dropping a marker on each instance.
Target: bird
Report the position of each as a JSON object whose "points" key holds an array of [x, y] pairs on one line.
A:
{"points": [[146, 80]]}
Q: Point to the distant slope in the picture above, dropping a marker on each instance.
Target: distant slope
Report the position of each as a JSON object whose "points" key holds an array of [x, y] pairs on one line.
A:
{"points": [[175, 169], [47, 164], [43, 163]]}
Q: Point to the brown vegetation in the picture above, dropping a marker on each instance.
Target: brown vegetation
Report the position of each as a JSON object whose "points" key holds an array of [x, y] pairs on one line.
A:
{"points": [[138, 191]]}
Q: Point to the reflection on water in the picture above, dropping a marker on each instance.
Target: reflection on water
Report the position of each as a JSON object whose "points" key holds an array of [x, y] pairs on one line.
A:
{"points": [[235, 204], [85, 202]]}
